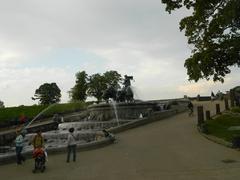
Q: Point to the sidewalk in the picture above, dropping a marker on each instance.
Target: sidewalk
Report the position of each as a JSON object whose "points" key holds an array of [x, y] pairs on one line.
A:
{"points": [[171, 149]]}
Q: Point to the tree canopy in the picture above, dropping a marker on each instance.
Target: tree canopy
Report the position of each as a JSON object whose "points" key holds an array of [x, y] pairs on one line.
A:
{"points": [[79, 91], [47, 93], [213, 31], [96, 86]]}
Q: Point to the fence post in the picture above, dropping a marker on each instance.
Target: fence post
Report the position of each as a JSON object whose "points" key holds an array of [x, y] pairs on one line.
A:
{"points": [[218, 109], [200, 115], [232, 97]]}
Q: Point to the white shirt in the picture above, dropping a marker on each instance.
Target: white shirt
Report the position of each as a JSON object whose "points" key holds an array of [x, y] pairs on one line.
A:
{"points": [[71, 139]]}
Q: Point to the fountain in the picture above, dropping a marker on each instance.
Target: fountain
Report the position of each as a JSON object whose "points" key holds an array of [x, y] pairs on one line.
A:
{"points": [[122, 109]]}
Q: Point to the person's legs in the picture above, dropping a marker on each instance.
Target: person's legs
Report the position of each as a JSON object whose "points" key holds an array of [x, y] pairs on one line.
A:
{"points": [[69, 149], [18, 154], [74, 152]]}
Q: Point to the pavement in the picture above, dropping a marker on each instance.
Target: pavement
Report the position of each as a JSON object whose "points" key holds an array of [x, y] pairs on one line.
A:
{"points": [[170, 149]]}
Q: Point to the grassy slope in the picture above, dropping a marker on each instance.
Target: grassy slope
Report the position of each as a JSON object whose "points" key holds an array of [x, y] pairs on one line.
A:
{"points": [[11, 113], [219, 126]]}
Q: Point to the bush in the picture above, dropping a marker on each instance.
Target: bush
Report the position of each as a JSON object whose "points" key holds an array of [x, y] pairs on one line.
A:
{"points": [[236, 109]]}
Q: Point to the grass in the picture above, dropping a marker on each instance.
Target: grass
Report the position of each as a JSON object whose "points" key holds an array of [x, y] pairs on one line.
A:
{"points": [[11, 113], [219, 126]]}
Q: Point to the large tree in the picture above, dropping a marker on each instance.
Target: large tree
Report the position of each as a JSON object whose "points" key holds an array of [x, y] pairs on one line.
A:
{"points": [[47, 93], [113, 78], [79, 91], [96, 86], [213, 29]]}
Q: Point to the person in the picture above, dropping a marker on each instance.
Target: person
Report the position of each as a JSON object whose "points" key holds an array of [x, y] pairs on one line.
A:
{"points": [[19, 147], [108, 135], [190, 107], [71, 145], [38, 140]]}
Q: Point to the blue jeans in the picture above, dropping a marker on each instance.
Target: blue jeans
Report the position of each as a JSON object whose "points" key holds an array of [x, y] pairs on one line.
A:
{"points": [[19, 155], [71, 149]]}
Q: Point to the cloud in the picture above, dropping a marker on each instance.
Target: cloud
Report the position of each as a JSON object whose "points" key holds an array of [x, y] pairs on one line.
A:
{"points": [[18, 85], [49, 41]]}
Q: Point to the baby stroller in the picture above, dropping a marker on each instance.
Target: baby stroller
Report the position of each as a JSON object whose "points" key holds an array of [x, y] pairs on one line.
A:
{"points": [[40, 159]]}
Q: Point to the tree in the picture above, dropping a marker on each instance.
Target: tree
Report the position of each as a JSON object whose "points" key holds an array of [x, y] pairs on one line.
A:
{"points": [[213, 31], [2, 104], [113, 78], [48, 93], [79, 91], [97, 85]]}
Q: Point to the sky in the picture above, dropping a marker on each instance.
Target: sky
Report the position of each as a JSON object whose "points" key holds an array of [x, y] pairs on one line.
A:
{"points": [[45, 41]]}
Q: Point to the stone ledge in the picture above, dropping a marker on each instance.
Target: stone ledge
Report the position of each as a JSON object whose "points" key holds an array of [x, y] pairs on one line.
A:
{"points": [[152, 118]]}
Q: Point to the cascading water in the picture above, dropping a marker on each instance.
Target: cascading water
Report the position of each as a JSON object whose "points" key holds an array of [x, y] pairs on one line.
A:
{"points": [[114, 104], [39, 114]]}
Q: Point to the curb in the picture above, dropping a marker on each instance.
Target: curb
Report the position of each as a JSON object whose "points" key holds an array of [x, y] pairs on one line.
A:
{"points": [[216, 139]]}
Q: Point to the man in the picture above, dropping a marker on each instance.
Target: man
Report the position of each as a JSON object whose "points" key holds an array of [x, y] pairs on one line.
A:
{"points": [[72, 145], [190, 107], [19, 147]]}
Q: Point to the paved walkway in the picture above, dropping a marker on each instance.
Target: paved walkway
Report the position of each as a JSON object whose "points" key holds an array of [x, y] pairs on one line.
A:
{"points": [[170, 149]]}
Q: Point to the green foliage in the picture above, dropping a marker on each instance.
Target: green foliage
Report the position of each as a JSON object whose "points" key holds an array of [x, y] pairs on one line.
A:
{"points": [[219, 126], [94, 85], [113, 78], [235, 110], [79, 91], [30, 112], [213, 30], [48, 93], [97, 84]]}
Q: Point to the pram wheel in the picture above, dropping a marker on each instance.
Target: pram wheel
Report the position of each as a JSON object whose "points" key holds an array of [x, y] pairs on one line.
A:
{"points": [[43, 169]]}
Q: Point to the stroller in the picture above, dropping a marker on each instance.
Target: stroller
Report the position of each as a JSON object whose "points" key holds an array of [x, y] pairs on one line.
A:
{"points": [[40, 159]]}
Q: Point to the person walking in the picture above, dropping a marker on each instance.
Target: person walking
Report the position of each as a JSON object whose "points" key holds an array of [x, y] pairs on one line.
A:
{"points": [[19, 147], [190, 108], [71, 145]]}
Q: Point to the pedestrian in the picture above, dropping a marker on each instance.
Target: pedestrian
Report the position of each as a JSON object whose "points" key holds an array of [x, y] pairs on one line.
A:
{"points": [[71, 145], [19, 147], [108, 135], [190, 108]]}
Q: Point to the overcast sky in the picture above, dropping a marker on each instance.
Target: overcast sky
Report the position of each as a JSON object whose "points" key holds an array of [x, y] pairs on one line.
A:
{"points": [[50, 40]]}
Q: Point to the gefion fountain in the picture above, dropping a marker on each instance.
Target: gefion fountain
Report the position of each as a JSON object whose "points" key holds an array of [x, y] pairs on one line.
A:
{"points": [[120, 108]]}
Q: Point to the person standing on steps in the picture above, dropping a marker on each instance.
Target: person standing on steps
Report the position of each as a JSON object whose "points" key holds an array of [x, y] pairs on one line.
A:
{"points": [[71, 145]]}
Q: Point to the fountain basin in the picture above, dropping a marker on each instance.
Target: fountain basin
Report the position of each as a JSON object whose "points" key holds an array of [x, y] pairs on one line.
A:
{"points": [[130, 110]]}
